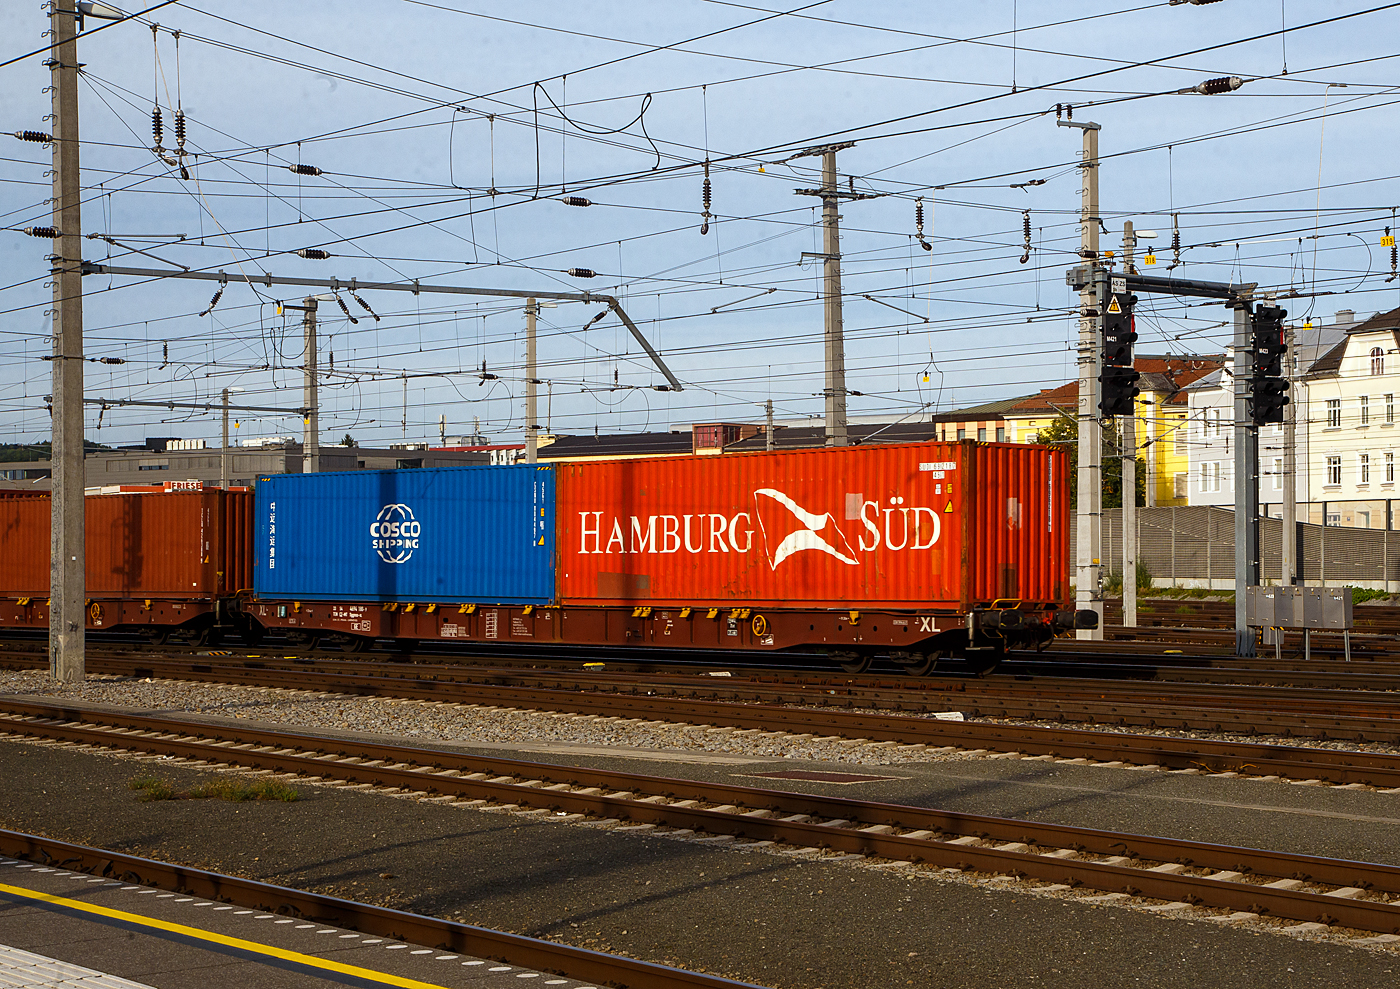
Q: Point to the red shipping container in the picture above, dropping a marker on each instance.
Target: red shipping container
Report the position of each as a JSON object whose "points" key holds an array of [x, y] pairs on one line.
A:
{"points": [[181, 545], [929, 525]]}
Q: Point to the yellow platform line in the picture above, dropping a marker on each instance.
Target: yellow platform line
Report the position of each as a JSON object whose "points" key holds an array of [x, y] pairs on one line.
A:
{"points": [[311, 961]]}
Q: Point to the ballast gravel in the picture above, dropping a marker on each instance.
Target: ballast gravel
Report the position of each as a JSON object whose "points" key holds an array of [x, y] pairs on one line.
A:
{"points": [[434, 721], [490, 725]]}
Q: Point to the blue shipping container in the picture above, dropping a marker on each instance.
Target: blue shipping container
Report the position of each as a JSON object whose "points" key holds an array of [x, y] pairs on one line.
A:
{"points": [[451, 535]]}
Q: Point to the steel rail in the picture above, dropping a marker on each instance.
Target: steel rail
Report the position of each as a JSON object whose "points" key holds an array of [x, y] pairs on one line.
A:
{"points": [[897, 832], [515, 949], [1293, 762], [1325, 713]]}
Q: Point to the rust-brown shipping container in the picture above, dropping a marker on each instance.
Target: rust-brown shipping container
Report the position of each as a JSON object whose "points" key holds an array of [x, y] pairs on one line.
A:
{"points": [[180, 545], [931, 525]]}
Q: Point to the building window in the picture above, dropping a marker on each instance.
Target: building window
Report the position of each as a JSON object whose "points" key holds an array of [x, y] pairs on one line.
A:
{"points": [[982, 434], [1363, 464], [962, 434], [1215, 476], [1365, 410], [1179, 484], [1001, 434], [1334, 413], [1377, 361], [1179, 436], [1278, 473], [1390, 468], [1334, 470], [1390, 408], [1205, 479]]}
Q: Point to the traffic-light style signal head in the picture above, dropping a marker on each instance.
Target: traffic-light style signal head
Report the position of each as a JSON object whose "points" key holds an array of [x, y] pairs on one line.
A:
{"points": [[1268, 386], [1117, 390], [1118, 382], [1267, 401], [1118, 333]]}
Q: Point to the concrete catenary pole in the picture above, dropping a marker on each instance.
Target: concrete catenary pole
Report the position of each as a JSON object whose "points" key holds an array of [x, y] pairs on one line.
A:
{"points": [[311, 438], [223, 450], [532, 422], [835, 390], [67, 558], [1088, 594]]}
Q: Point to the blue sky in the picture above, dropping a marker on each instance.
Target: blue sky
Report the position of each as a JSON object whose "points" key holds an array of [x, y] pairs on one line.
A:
{"points": [[416, 111]]}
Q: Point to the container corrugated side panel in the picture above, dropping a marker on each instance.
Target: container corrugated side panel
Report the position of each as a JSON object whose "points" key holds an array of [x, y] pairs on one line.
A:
{"points": [[24, 545], [861, 527], [137, 546], [239, 554], [447, 535], [235, 559], [159, 545], [1021, 533]]}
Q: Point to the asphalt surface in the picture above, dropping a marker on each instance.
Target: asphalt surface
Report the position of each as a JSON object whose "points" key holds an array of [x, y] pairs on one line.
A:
{"points": [[764, 918], [1275, 814]]}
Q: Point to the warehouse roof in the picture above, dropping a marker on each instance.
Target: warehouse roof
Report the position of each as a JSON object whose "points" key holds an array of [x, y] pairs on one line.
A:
{"points": [[615, 445]]}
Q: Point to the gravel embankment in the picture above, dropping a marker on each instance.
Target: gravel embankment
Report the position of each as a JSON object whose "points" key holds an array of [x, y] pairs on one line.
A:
{"points": [[488, 725], [449, 722]]}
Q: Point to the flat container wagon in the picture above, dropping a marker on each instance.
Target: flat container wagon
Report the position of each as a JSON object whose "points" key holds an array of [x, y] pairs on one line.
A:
{"points": [[913, 551], [157, 561]]}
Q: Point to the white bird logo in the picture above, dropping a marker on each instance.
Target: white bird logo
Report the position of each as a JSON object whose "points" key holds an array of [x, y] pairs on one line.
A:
{"points": [[798, 540]]}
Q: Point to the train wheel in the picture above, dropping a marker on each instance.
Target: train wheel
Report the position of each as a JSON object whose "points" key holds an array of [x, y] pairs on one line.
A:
{"points": [[157, 635], [983, 662], [920, 664], [852, 662], [358, 643], [210, 635]]}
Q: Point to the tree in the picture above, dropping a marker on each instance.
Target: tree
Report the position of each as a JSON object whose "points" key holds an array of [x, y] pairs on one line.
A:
{"points": [[349, 441], [29, 452], [1063, 434]]}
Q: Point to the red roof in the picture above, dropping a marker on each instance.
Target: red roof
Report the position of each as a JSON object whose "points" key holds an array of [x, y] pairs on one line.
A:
{"points": [[1048, 402], [1169, 374]]}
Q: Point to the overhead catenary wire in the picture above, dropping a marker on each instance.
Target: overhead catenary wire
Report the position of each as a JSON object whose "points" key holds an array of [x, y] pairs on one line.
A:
{"points": [[1001, 235]]}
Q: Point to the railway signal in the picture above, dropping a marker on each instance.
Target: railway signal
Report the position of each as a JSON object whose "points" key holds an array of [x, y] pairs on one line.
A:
{"points": [[1268, 386], [1118, 379]]}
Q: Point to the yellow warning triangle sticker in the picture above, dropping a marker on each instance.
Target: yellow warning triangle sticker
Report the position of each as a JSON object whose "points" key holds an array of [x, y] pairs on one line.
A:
{"points": [[948, 508], [1113, 306]]}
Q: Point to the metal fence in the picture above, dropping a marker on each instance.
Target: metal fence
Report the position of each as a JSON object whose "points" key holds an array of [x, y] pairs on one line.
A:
{"points": [[1194, 546]]}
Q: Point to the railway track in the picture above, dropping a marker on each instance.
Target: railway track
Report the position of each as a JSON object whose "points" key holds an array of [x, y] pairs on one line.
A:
{"points": [[514, 949], [857, 707], [877, 689], [624, 698], [1185, 875]]}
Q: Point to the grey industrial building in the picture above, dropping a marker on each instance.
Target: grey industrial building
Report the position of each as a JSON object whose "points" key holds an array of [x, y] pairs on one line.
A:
{"points": [[160, 460]]}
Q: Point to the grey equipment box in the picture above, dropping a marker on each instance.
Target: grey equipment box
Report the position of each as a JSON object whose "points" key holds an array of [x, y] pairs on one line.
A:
{"points": [[1295, 607]]}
